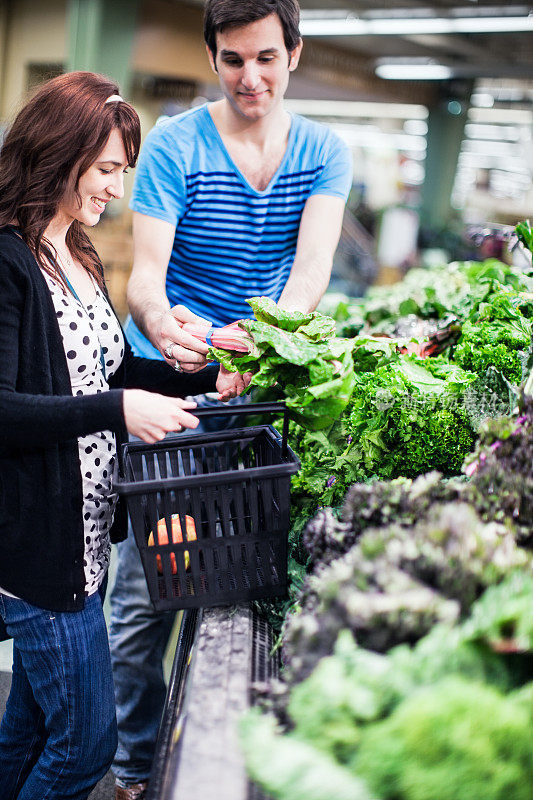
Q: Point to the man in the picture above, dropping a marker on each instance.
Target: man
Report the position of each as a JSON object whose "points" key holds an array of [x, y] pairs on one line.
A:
{"points": [[232, 199]]}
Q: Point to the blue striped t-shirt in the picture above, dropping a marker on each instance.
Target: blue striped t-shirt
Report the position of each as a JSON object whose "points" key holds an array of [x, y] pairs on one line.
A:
{"points": [[232, 241]]}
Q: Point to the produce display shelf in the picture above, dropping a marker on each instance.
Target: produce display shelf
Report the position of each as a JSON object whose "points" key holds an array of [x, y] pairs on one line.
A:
{"points": [[221, 654]]}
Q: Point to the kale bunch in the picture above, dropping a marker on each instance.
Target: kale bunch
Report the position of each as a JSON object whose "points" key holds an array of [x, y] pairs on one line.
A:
{"points": [[494, 335], [291, 769], [356, 699], [429, 294], [354, 686], [456, 740], [371, 505], [501, 470], [398, 581], [407, 418]]}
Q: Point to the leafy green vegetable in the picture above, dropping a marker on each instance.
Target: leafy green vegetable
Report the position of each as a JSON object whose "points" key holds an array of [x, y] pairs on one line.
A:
{"points": [[289, 769], [525, 235], [373, 505], [300, 353], [405, 420], [457, 740], [492, 337], [501, 470], [503, 616], [336, 708], [398, 581], [429, 294], [354, 686]]}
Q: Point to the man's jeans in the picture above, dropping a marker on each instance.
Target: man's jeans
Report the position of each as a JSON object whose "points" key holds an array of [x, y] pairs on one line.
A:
{"points": [[58, 734], [138, 638]]}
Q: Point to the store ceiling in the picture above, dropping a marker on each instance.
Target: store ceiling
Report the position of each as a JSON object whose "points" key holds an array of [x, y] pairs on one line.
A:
{"points": [[469, 55]]}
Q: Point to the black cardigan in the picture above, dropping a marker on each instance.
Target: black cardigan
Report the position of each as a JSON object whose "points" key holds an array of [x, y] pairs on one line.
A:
{"points": [[41, 526]]}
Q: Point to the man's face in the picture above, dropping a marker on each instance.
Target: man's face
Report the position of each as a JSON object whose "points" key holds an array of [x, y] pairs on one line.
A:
{"points": [[253, 66]]}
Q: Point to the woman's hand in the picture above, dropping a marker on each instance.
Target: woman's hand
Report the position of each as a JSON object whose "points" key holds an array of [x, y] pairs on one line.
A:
{"points": [[151, 416], [181, 349]]}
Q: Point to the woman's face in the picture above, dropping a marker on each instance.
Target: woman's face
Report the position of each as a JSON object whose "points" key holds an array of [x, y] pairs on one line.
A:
{"points": [[103, 181]]}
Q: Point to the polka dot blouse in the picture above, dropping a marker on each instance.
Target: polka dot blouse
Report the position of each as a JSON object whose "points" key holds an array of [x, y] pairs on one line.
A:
{"points": [[89, 331]]}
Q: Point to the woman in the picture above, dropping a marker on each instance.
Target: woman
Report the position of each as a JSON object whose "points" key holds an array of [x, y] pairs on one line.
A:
{"points": [[70, 390]]}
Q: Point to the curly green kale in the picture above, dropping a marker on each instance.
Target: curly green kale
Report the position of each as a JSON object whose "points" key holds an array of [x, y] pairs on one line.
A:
{"points": [[493, 336], [354, 686], [407, 419], [479, 349], [457, 740], [289, 769]]}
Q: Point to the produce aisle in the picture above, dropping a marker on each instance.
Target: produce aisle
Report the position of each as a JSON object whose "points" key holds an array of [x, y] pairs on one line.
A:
{"points": [[406, 639]]}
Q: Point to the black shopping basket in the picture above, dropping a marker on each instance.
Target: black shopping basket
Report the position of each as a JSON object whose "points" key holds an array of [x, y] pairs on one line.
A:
{"points": [[225, 496]]}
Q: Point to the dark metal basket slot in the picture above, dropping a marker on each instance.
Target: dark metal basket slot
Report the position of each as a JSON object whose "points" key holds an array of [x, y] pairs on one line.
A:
{"points": [[241, 519]]}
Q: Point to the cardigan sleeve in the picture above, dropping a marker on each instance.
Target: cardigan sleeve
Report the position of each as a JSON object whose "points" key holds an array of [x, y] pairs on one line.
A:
{"points": [[36, 404], [30, 414], [157, 376]]}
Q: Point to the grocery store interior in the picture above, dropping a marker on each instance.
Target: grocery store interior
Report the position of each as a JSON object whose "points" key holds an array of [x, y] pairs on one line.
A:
{"points": [[434, 99]]}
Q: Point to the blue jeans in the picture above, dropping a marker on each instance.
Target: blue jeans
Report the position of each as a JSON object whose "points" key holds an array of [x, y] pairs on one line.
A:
{"points": [[138, 638], [58, 734]]}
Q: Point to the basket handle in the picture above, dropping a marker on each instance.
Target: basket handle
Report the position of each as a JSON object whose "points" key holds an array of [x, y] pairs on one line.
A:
{"points": [[250, 408]]}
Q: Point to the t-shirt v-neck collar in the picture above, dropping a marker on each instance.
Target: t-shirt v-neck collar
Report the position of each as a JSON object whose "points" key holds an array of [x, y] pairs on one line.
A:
{"points": [[235, 168]]}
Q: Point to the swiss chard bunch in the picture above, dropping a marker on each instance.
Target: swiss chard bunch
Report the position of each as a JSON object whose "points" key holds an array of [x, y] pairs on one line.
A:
{"points": [[301, 354]]}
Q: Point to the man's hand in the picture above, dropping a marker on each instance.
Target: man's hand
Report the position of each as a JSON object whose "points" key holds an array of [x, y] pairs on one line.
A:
{"points": [[179, 348], [231, 384]]}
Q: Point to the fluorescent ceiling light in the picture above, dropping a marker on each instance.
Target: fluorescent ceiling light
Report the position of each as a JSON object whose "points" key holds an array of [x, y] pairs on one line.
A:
{"points": [[416, 127], [413, 72], [380, 140], [507, 116], [482, 99], [354, 109], [490, 148], [504, 133], [350, 25], [485, 161]]}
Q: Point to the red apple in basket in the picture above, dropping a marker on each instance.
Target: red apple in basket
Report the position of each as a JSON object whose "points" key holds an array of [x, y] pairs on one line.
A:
{"points": [[177, 538]]}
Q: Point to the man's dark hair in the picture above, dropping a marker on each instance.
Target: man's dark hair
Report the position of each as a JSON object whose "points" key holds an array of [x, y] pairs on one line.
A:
{"points": [[222, 14]]}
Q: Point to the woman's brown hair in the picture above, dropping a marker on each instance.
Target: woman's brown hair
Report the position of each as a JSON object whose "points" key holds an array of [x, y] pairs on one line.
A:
{"points": [[54, 139]]}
